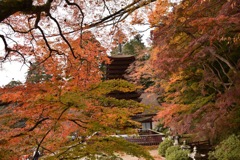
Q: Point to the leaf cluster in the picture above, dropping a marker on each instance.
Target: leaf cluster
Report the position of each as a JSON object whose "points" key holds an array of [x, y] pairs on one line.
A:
{"points": [[164, 145], [198, 68], [227, 149], [176, 153], [45, 115]]}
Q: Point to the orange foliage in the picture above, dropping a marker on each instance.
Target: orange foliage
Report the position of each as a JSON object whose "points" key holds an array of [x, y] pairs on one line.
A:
{"points": [[195, 57], [36, 112], [119, 37], [47, 114], [159, 14]]}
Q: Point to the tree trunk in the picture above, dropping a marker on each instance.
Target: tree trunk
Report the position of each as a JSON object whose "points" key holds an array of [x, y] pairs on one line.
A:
{"points": [[9, 7]]}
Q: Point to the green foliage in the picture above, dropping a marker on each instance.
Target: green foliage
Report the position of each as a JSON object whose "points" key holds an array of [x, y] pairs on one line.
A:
{"points": [[176, 153], [111, 102], [73, 99], [164, 145], [228, 149], [113, 115], [146, 82], [105, 149], [133, 47], [109, 86], [187, 89], [13, 83], [171, 149], [37, 74], [100, 93]]}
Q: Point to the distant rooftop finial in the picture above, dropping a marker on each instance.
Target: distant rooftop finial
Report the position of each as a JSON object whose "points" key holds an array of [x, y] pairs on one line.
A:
{"points": [[119, 48]]}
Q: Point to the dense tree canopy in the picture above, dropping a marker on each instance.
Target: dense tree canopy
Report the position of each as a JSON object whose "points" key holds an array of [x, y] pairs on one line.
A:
{"points": [[48, 27], [194, 60], [62, 33], [196, 56], [44, 115], [63, 95]]}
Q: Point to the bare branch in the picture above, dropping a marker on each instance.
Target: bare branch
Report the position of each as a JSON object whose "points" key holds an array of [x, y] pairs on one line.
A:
{"points": [[81, 11], [213, 52], [53, 126], [18, 31], [5, 42], [9, 50], [46, 41], [38, 122], [105, 6], [61, 34], [75, 122], [27, 8], [129, 8]]}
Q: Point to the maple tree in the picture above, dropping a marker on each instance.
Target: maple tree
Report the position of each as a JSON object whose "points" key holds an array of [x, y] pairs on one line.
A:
{"points": [[63, 94], [44, 115], [45, 22], [194, 56], [60, 36], [196, 59], [140, 71]]}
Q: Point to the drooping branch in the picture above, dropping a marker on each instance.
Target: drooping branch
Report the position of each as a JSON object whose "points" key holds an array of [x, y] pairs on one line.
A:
{"points": [[76, 145], [9, 50], [224, 72], [4, 42], [82, 20], [75, 121], [27, 7], [46, 134], [46, 41], [105, 6], [212, 51], [129, 8], [61, 34], [38, 122], [16, 30]]}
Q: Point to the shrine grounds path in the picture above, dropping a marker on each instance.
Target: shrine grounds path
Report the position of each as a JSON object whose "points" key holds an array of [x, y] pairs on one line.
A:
{"points": [[153, 152]]}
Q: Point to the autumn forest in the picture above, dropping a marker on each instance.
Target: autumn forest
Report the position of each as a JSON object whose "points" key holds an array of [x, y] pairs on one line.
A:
{"points": [[191, 61]]}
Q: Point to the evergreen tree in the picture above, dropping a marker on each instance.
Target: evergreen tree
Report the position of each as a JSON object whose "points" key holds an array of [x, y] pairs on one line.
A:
{"points": [[133, 47], [37, 74]]}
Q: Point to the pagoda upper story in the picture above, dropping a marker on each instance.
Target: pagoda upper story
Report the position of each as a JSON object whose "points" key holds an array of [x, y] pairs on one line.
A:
{"points": [[118, 66], [116, 70]]}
